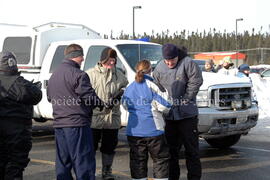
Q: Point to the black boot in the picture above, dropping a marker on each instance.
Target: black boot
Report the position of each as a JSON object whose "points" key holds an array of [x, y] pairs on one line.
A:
{"points": [[107, 160]]}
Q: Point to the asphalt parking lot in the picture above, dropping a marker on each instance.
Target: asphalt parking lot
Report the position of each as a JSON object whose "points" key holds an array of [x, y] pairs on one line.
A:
{"points": [[249, 159]]}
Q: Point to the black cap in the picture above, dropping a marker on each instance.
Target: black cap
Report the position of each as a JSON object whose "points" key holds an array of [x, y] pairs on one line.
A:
{"points": [[169, 51], [8, 62], [244, 67]]}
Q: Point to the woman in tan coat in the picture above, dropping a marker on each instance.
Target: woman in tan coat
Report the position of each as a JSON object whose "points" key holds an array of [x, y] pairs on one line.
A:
{"points": [[108, 83]]}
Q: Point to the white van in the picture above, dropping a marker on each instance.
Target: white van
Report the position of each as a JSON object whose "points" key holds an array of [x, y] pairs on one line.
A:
{"points": [[226, 109], [30, 44]]}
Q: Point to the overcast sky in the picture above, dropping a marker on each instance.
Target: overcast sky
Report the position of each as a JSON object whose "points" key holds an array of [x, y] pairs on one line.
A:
{"points": [[158, 15]]}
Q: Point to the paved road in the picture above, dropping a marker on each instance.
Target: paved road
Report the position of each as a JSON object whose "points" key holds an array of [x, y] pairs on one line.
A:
{"points": [[248, 160]]}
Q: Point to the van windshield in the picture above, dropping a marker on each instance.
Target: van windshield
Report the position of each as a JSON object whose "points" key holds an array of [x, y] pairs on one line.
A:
{"points": [[135, 52]]}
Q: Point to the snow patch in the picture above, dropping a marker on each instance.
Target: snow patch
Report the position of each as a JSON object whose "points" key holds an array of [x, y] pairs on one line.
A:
{"points": [[262, 90]]}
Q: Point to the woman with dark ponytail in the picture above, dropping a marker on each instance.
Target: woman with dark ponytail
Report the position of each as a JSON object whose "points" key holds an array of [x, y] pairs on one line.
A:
{"points": [[145, 130]]}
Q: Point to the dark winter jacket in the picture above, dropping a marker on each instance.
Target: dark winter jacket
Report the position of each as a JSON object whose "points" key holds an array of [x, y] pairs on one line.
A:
{"points": [[17, 97], [183, 83], [72, 96]]}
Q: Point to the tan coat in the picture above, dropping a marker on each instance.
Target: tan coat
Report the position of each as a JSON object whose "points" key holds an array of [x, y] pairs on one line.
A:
{"points": [[107, 84]]}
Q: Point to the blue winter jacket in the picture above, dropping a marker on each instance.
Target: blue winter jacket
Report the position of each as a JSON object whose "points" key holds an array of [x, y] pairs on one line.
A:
{"points": [[145, 104]]}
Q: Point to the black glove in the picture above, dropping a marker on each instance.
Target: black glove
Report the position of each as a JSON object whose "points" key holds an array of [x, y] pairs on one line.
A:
{"points": [[119, 95], [109, 104], [38, 84], [101, 106], [98, 104]]}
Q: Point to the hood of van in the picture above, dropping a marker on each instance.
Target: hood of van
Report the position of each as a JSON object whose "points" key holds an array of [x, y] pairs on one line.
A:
{"points": [[210, 79]]}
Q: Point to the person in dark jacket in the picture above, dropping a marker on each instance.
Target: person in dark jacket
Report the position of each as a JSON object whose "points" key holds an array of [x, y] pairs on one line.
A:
{"points": [[17, 97], [73, 98], [182, 78]]}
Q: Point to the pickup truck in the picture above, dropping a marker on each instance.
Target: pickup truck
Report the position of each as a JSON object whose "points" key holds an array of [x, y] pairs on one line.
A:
{"points": [[226, 107]]}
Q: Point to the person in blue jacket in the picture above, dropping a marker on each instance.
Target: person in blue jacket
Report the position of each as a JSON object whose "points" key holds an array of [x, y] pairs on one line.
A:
{"points": [[145, 130]]}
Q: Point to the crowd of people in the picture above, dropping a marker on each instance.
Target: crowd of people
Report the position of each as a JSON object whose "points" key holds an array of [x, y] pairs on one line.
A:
{"points": [[226, 67], [163, 115]]}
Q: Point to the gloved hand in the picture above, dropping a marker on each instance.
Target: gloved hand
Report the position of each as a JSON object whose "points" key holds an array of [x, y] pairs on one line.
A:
{"points": [[101, 106], [118, 96], [109, 104], [38, 84]]}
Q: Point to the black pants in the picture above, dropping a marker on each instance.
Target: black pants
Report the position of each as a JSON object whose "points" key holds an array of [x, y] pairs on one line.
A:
{"points": [[108, 138], [159, 152], [183, 132], [15, 144]]}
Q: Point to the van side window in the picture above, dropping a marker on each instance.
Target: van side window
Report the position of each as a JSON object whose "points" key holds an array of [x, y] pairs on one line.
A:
{"points": [[57, 58], [93, 56], [20, 46]]}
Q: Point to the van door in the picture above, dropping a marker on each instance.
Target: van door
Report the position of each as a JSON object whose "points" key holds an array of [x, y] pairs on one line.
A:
{"points": [[52, 60]]}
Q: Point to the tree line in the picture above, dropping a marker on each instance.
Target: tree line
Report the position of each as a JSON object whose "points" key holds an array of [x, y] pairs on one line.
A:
{"points": [[212, 41]]}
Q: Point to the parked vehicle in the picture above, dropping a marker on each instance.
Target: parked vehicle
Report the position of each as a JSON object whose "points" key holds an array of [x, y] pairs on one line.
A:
{"points": [[30, 44], [258, 69], [226, 109], [266, 74], [200, 62]]}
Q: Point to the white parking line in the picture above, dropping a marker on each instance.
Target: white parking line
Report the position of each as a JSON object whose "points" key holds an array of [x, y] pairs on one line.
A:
{"points": [[43, 161]]}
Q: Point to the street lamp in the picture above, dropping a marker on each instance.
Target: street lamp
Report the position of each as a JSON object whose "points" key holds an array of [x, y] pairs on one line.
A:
{"points": [[135, 7], [236, 39]]}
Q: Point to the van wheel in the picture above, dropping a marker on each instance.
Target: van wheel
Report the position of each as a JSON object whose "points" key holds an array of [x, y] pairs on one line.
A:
{"points": [[224, 142]]}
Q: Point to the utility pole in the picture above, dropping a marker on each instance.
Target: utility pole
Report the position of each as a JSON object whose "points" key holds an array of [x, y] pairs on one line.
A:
{"points": [[134, 7], [236, 39]]}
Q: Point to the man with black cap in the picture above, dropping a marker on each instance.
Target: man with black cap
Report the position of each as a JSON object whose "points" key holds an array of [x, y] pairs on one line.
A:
{"points": [[73, 99], [108, 83], [17, 97], [182, 78]]}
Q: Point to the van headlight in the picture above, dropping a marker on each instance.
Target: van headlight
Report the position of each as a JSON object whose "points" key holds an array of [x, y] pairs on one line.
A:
{"points": [[202, 99]]}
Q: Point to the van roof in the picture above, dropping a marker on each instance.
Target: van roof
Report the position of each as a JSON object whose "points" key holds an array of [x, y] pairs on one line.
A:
{"points": [[54, 25], [15, 29], [42, 28], [108, 42]]}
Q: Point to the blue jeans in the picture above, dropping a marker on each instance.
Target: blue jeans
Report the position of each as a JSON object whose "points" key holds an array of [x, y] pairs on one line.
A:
{"points": [[74, 149]]}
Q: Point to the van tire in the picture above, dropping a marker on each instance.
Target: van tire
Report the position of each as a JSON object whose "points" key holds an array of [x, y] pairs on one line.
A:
{"points": [[224, 142]]}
